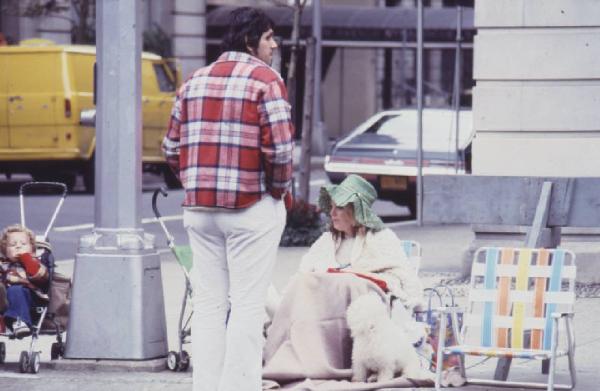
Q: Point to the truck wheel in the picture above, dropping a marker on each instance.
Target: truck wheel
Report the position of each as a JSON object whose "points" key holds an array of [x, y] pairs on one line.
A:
{"points": [[171, 179], [89, 178]]}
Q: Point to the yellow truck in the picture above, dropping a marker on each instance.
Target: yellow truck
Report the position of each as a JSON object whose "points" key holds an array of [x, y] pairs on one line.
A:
{"points": [[45, 87]]}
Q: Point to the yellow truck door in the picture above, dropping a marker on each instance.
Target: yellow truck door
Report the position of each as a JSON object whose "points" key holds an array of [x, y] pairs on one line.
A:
{"points": [[158, 90], [33, 86], [3, 103]]}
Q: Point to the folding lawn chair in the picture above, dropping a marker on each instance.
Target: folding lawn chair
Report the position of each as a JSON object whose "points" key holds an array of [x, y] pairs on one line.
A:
{"points": [[516, 300]]}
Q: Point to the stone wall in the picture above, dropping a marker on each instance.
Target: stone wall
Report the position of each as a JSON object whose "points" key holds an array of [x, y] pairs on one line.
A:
{"points": [[537, 72]]}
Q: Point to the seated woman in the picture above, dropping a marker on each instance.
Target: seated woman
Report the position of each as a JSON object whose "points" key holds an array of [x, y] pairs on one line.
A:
{"points": [[308, 337]]}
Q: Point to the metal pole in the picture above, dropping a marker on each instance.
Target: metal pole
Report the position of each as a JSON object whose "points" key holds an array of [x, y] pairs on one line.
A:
{"points": [[117, 309], [118, 164], [457, 82], [307, 122], [420, 112], [317, 129]]}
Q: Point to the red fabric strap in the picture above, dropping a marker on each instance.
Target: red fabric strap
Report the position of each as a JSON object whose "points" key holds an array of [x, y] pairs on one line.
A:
{"points": [[380, 283]]}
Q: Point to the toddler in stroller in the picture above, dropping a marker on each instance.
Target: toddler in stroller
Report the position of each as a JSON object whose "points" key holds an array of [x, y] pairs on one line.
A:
{"points": [[24, 279], [34, 299]]}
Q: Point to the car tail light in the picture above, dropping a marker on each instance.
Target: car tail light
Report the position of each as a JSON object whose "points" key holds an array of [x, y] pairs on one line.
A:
{"points": [[341, 159], [68, 108]]}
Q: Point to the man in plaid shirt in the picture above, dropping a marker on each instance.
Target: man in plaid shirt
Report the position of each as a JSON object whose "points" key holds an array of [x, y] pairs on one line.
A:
{"points": [[230, 142]]}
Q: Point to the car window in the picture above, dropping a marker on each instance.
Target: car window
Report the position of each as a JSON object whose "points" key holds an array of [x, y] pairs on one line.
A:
{"points": [[164, 81], [438, 128]]}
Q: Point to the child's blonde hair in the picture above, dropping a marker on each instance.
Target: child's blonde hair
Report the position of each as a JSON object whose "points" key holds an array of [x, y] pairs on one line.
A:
{"points": [[15, 228]]}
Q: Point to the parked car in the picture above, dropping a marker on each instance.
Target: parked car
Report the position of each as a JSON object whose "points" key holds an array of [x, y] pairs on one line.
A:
{"points": [[45, 87], [383, 150]]}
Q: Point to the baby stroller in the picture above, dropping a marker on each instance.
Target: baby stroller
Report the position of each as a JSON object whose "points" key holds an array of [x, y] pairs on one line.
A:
{"points": [[178, 360], [44, 321]]}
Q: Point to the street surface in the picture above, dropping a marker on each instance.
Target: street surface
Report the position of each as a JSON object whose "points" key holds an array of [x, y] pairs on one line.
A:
{"points": [[442, 252], [77, 215]]}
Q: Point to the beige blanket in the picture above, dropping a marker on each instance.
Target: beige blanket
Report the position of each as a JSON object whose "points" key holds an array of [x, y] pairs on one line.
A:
{"points": [[308, 344]]}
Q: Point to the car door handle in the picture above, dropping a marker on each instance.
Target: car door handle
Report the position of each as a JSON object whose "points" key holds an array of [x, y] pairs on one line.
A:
{"points": [[15, 98]]}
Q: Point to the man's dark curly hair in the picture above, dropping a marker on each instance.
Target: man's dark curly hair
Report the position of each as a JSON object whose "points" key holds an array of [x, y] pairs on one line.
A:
{"points": [[246, 26]]}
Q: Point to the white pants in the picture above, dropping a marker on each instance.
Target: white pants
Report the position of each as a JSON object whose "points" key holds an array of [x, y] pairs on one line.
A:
{"points": [[234, 255]]}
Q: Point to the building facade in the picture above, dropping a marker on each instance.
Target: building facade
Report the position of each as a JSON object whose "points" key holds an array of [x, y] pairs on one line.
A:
{"points": [[537, 93]]}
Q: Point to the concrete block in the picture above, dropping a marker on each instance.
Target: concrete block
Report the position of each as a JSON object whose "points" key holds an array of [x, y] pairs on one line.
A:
{"points": [[189, 46], [536, 13], [571, 154], [536, 106], [537, 54], [189, 25], [187, 6]]}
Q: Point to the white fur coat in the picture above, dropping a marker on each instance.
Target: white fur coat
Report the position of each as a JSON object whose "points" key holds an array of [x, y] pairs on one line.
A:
{"points": [[379, 254]]}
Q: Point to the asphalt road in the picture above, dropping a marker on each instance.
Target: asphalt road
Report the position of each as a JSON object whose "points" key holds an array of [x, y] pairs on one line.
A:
{"points": [[76, 217]]}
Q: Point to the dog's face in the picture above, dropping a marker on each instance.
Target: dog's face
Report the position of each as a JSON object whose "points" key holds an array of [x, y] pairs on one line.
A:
{"points": [[365, 313]]}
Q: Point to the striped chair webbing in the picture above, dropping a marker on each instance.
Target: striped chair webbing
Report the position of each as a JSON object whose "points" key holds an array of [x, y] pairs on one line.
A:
{"points": [[554, 286], [412, 249], [538, 304], [520, 290], [503, 304], [489, 283]]}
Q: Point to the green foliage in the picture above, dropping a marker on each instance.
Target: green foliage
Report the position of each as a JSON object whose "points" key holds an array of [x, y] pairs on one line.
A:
{"points": [[304, 225]]}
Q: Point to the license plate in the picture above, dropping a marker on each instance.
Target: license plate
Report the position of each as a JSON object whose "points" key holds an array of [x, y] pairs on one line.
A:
{"points": [[393, 183]]}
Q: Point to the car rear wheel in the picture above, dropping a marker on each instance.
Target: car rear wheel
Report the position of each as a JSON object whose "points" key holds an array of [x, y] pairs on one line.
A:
{"points": [[406, 198]]}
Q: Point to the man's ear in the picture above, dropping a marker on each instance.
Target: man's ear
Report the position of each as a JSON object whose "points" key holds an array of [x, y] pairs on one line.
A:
{"points": [[249, 48]]}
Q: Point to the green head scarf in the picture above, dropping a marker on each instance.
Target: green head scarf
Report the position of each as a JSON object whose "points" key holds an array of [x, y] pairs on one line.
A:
{"points": [[356, 190]]}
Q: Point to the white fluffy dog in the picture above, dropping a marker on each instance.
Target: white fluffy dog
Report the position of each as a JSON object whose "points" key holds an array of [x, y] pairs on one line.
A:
{"points": [[381, 348]]}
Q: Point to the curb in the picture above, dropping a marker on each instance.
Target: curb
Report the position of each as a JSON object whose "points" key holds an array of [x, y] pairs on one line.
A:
{"points": [[66, 364]]}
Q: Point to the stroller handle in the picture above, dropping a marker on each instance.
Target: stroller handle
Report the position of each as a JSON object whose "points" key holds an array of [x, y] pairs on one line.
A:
{"points": [[29, 185], [56, 185], [162, 191]]}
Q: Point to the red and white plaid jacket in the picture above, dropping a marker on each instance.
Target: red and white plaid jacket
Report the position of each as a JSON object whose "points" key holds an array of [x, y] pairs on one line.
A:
{"points": [[230, 136]]}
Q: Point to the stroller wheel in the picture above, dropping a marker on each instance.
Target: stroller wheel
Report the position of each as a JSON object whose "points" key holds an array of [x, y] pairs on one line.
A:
{"points": [[24, 362], [173, 361], [184, 361], [2, 352], [55, 351], [34, 364]]}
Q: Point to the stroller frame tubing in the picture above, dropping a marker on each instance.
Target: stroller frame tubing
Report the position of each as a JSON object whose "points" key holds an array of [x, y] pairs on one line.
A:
{"points": [[57, 209], [183, 322]]}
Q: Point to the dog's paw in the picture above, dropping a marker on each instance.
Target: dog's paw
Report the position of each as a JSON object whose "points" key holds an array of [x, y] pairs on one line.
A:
{"points": [[372, 378], [359, 373], [385, 374]]}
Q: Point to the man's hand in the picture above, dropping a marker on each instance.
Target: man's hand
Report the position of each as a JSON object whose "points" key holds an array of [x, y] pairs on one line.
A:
{"points": [[288, 200]]}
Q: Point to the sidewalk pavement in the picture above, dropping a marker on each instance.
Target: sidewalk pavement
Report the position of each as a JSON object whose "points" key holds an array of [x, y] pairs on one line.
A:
{"points": [[442, 260]]}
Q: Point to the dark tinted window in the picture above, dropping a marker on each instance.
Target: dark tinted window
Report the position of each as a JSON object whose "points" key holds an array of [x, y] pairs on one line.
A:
{"points": [[164, 81]]}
